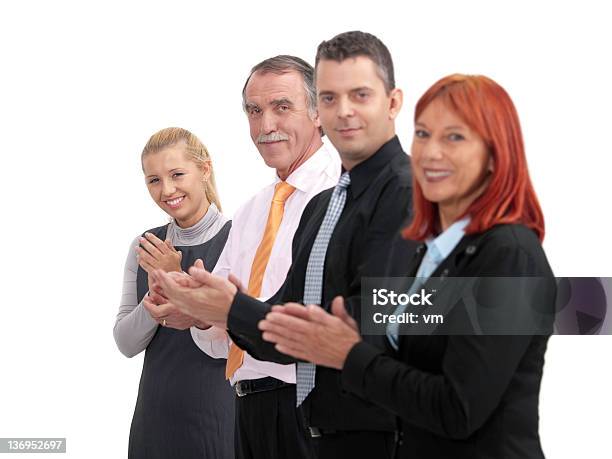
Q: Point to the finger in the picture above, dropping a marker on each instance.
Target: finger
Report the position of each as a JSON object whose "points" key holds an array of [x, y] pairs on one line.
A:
{"points": [[169, 245], [184, 279], [208, 279], [284, 324], [283, 341], [143, 255], [317, 314], [150, 248], [157, 297], [157, 311], [295, 310], [199, 264], [234, 280], [157, 242], [339, 310], [148, 267], [167, 283]]}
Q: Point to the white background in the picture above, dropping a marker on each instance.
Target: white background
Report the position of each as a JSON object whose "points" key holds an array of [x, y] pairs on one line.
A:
{"points": [[83, 86]]}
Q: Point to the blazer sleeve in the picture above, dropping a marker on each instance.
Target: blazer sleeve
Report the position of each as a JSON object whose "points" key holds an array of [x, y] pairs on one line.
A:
{"points": [[475, 371]]}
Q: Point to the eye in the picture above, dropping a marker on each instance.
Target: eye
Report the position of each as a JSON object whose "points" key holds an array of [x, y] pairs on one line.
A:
{"points": [[362, 95], [421, 134], [153, 180], [326, 99], [455, 137], [178, 174], [254, 111], [283, 108]]}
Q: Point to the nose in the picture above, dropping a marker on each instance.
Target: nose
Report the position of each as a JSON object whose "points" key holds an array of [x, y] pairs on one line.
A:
{"points": [[432, 150], [345, 108], [268, 123], [168, 188]]}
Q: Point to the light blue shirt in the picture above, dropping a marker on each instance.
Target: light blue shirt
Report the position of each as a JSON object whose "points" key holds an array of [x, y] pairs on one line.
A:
{"points": [[437, 250]]}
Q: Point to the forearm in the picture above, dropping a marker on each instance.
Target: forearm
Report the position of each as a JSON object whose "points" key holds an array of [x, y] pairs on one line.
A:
{"points": [[134, 329], [244, 316], [452, 403]]}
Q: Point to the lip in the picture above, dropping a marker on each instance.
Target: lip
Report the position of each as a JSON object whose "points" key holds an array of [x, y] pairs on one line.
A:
{"points": [[436, 175], [174, 203], [348, 132]]}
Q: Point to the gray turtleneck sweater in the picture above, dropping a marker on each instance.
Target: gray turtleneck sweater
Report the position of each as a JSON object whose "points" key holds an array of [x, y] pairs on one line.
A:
{"points": [[134, 327]]}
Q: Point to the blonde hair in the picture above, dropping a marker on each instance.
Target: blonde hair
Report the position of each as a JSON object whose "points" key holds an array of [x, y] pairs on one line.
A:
{"points": [[193, 147]]}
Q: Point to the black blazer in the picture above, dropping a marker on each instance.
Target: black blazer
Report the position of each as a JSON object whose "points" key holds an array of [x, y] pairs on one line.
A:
{"points": [[464, 396], [378, 202]]}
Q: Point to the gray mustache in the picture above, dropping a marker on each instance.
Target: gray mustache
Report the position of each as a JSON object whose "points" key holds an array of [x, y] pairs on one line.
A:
{"points": [[273, 137]]}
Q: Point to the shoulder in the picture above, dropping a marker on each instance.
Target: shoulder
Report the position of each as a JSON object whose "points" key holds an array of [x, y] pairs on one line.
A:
{"points": [[510, 247], [401, 170], [515, 236], [157, 231], [262, 197]]}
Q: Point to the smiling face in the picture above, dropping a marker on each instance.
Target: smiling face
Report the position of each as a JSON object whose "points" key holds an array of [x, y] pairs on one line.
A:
{"points": [[177, 184], [450, 161], [356, 112], [282, 128]]}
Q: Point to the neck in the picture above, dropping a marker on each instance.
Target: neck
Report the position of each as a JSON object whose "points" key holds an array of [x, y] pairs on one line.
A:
{"points": [[448, 217], [190, 221], [312, 148], [350, 161]]}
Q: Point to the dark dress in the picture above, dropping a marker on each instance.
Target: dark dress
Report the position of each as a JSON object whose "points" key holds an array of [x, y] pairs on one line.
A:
{"points": [[185, 407]]}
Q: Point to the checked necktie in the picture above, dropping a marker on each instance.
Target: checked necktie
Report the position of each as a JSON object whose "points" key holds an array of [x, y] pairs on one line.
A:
{"points": [[313, 283]]}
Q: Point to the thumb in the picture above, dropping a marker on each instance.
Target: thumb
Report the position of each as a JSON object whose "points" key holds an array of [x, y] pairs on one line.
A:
{"points": [[199, 264], [338, 309], [234, 280], [180, 254]]}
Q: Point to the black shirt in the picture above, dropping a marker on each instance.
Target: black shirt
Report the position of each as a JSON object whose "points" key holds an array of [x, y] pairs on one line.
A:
{"points": [[378, 204]]}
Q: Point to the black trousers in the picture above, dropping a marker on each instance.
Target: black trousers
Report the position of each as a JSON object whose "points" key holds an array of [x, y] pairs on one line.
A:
{"points": [[269, 426], [356, 445]]}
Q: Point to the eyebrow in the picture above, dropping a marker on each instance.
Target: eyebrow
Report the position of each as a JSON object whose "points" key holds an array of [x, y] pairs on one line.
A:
{"points": [[171, 170], [281, 101], [250, 105], [361, 88], [446, 128]]}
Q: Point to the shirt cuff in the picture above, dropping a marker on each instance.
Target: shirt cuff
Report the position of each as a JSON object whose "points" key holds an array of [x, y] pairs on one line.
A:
{"points": [[357, 361], [213, 341]]}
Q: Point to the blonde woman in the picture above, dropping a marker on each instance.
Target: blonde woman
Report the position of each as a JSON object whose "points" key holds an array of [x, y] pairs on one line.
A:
{"points": [[185, 408]]}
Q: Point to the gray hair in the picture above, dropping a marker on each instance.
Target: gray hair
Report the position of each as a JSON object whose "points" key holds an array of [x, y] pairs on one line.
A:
{"points": [[285, 63]]}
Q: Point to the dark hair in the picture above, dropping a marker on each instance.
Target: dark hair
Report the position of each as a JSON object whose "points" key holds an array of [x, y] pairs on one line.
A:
{"points": [[357, 43], [283, 64]]}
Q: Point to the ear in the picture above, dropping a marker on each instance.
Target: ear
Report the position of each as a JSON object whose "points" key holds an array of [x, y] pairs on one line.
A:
{"points": [[396, 99], [491, 164], [205, 168], [316, 119]]}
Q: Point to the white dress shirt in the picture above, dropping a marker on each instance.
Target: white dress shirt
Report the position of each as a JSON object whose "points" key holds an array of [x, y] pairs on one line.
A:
{"points": [[320, 172]]}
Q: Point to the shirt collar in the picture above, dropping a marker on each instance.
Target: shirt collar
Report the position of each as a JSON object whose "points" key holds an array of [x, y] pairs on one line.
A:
{"points": [[302, 178], [363, 173], [444, 243]]}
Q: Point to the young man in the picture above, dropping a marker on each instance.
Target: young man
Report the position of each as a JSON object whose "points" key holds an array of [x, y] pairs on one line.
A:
{"points": [[345, 234]]}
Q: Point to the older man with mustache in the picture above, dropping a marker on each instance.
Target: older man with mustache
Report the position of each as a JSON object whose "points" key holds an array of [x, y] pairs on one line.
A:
{"points": [[279, 99]]}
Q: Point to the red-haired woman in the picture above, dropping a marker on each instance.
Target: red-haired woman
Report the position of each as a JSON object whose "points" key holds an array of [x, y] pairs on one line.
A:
{"points": [[460, 396]]}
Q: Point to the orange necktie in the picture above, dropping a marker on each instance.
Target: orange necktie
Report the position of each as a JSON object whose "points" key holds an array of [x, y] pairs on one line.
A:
{"points": [[281, 193]]}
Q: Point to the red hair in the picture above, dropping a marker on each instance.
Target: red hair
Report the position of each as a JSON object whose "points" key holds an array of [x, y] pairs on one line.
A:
{"points": [[509, 198]]}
